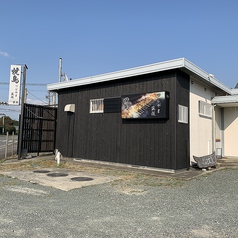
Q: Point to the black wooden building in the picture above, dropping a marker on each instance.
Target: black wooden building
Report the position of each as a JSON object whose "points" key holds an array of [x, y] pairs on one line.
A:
{"points": [[160, 141]]}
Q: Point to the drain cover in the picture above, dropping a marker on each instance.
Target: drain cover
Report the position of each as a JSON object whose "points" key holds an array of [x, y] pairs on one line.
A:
{"points": [[81, 179], [57, 175], [41, 171]]}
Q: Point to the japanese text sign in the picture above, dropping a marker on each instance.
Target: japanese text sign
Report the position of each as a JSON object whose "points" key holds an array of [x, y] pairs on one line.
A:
{"points": [[145, 105], [14, 86]]}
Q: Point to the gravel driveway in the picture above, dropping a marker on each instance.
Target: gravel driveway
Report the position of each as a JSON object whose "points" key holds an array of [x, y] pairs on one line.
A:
{"points": [[203, 207]]}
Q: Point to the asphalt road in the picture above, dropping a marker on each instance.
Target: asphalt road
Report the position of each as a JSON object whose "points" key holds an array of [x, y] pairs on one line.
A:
{"points": [[203, 207], [11, 148]]}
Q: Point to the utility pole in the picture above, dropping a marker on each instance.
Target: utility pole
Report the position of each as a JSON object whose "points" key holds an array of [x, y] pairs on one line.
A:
{"points": [[60, 69], [48, 97], [22, 112], [26, 93], [3, 123], [3, 128]]}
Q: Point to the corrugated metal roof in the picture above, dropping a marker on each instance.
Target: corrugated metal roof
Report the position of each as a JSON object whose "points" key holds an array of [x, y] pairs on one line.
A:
{"points": [[180, 63], [226, 101]]}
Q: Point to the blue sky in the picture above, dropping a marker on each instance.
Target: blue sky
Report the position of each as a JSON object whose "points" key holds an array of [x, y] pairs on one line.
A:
{"points": [[100, 36]]}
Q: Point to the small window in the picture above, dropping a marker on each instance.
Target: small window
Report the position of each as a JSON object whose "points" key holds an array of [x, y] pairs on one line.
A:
{"points": [[182, 114], [96, 105], [205, 109]]}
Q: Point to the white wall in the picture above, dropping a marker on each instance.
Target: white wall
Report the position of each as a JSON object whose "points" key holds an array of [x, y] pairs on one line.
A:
{"points": [[220, 131], [201, 132], [231, 131]]}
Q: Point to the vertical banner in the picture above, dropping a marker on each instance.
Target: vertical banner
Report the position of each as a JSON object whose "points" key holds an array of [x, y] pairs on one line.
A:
{"points": [[15, 85]]}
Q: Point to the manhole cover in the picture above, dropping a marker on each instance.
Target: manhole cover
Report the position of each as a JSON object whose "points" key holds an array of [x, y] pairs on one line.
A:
{"points": [[81, 179], [57, 175], [41, 171]]}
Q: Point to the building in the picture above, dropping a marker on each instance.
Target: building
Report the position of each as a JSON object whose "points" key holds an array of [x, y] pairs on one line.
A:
{"points": [[157, 115]]}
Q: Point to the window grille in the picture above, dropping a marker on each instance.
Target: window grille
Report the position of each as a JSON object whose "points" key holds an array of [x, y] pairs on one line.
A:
{"points": [[182, 114], [205, 109], [96, 105]]}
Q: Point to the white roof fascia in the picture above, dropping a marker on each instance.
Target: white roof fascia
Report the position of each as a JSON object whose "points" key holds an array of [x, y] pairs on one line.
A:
{"points": [[157, 67], [146, 69], [210, 79]]}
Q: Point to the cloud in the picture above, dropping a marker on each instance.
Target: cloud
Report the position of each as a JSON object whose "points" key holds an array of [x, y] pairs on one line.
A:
{"points": [[5, 54]]}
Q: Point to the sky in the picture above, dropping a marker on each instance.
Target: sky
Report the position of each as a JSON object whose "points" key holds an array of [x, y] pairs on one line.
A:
{"points": [[100, 36]]}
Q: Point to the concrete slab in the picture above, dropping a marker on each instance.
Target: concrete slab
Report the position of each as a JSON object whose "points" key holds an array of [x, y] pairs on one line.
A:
{"points": [[63, 179]]}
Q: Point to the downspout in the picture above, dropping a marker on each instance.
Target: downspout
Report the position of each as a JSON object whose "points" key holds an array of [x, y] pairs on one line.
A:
{"points": [[213, 129], [175, 124], [222, 132]]}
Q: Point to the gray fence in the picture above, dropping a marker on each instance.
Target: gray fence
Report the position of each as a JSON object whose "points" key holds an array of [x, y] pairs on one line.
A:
{"points": [[8, 145]]}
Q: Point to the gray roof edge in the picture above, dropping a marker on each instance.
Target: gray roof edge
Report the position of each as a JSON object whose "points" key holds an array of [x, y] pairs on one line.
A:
{"points": [[206, 76], [234, 91], [151, 68], [225, 99]]}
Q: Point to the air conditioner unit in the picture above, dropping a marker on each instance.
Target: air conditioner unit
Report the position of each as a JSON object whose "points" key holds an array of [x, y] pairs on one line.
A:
{"points": [[69, 108]]}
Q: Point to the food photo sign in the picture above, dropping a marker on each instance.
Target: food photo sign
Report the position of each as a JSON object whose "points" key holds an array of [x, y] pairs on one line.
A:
{"points": [[145, 105]]}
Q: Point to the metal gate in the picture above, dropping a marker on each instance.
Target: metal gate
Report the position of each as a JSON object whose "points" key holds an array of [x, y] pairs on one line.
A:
{"points": [[39, 128]]}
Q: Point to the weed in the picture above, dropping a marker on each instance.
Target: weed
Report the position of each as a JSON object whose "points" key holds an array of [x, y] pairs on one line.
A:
{"points": [[126, 178]]}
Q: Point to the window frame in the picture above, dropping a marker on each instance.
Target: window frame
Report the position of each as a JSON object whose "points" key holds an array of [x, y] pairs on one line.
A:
{"points": [[96, 105], [204, 109], [182, 114]]}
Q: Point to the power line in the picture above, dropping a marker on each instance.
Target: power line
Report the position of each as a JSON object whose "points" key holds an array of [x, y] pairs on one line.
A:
{"points": [[7, 109], [29, 84], [36, 97]]}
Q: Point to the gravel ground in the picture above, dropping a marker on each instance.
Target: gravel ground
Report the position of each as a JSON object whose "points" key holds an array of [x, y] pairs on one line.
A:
{"points": [[203, 207]]}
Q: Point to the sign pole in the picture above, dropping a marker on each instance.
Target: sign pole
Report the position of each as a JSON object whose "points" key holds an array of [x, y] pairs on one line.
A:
{"points": [[22, 111]]}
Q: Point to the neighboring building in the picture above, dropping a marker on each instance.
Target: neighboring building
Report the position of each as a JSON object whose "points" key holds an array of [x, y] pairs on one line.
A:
{"points": [[157, 115]]}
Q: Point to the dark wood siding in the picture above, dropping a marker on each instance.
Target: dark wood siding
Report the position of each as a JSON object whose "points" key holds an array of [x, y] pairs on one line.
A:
{"points": [[107, 137], [182, 129]]}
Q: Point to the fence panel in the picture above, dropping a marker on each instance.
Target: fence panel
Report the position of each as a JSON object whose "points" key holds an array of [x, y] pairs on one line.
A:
{"points": [[39, 128]]}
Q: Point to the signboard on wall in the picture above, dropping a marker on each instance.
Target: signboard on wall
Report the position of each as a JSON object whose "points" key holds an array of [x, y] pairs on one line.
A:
{"points": [[146, 105], [14, 86]]}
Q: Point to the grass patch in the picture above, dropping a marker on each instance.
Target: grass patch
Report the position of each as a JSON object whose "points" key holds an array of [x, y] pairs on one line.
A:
{"points": [[154, 181], [2, 160], [126, 178]]}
